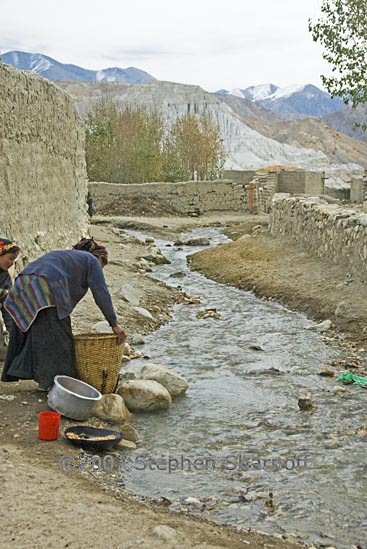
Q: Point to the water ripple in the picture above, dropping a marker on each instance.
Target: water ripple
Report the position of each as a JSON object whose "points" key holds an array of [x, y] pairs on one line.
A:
{"points": [[241, 418]]}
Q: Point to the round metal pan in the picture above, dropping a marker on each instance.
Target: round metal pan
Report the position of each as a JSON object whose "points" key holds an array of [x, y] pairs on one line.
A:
{"points": [[92, 437]]}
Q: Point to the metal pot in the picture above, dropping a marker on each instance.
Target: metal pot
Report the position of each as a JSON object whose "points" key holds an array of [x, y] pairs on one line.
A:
{"points": [[72, 398]]}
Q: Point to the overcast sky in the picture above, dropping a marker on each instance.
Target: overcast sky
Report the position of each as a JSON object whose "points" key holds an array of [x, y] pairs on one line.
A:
{"points": [[213, 43]]}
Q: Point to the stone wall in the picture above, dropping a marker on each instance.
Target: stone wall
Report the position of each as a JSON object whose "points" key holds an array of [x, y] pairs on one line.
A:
{"points": [[259, 191], [242, 177], [300, 182], [246, 190], [42, 164], [185, 197], [340, 193], [358, 189], [327, 230]]}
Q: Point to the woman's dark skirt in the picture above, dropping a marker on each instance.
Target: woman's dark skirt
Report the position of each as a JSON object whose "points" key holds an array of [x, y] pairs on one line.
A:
{"points": [[41, 353]]}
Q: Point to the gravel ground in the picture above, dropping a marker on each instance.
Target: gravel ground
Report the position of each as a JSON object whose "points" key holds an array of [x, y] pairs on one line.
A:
{"points": [[44, 507]]}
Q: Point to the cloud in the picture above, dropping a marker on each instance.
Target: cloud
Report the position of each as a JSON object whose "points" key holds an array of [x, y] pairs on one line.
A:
{"points": [[217, 44]]}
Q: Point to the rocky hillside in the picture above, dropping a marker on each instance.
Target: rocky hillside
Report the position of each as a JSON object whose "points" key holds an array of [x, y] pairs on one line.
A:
{"points": [[345, 119], [246, 148], [253, 137], [248, 108], [311, 133]]}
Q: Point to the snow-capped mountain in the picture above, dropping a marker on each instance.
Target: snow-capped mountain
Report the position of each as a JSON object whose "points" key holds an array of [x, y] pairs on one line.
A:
{"points": [[53, 70], [294, 101], [249, 144], [258, 93]]}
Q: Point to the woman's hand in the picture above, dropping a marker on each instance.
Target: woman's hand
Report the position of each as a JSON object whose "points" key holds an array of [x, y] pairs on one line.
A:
{"points": [[121, 334]]}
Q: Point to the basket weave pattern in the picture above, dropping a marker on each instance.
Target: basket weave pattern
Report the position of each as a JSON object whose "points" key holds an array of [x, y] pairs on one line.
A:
{"points": [[98, 360]]}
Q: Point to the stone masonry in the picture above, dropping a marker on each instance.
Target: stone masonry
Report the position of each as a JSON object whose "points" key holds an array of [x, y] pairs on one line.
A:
{"points": [[244, 190], [42, 164], [327, 230], [185, 197], [358, 189]]}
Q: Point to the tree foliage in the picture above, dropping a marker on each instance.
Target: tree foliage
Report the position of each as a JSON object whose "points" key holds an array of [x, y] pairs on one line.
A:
{"points": [[342, 31], [125, 145], [193, 149], [100, 140], [122, 145]]}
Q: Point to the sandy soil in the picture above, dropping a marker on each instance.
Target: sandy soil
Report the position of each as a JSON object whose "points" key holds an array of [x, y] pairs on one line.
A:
{"points": [[43, 507]]}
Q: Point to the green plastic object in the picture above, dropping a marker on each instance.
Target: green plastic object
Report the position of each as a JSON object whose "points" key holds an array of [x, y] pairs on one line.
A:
{"points": [[358, 380]]}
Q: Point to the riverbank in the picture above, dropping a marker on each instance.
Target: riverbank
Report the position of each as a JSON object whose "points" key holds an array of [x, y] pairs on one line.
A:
{"points": [[44, 507], [280, 270]]}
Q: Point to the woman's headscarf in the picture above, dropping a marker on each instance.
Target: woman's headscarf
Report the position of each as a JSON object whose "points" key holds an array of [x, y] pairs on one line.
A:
{"points": [[95, 248], [8, 246]]}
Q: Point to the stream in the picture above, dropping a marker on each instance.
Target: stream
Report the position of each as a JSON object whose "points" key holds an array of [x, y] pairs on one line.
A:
{"points": [[237, 448]]}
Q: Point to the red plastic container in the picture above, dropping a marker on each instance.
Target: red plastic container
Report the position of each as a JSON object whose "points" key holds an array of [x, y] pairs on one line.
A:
{"points": [[48, 425]]}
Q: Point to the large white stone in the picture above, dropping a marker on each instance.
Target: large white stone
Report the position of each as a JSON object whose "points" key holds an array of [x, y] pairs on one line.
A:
{"points": [[321, 327], [102, 327], [175, 384], [165, 533], [111, 407], [144, 395], [143, 312], [129, 293], [195, 241]]}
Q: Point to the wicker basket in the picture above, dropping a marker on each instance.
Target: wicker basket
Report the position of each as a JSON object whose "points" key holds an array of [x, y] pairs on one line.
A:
{"points": [[98, 360]]}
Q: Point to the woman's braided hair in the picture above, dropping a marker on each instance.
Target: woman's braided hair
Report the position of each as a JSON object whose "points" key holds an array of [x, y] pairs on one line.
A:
{"points": [[92, 246]]}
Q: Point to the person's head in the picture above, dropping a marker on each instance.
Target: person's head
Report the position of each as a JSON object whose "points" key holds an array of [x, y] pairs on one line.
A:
{"points": [[95, 248], [9, 252]]}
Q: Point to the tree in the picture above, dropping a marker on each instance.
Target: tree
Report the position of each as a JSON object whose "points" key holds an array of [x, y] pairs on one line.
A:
{"points": [[211, 155], [130, 145], [194, 149], [123, 145], [342, 31], [139, 137], [183, 141], [100, 135]]}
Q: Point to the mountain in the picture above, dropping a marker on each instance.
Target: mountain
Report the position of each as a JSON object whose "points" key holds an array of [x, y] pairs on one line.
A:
{"points": [[345, 120], [53, 70], [292, 101], [265, 129], [246, 148], [253, 93], [258, 93], [248, 108], [309, 132], [304, 100]]}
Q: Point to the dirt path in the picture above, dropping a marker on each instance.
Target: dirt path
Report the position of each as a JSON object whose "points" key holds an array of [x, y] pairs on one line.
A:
{"points": [[43, 507]]}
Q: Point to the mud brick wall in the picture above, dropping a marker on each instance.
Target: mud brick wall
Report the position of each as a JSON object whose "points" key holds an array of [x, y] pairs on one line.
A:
{"points": [[42, 164], [300, 182], [242, 177], [267, 183], [358, 189], [327, 230], [209, 196], [186, 197]]}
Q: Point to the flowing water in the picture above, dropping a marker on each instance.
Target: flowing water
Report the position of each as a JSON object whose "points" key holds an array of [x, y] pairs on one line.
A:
{"points": [[237, 442]]}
